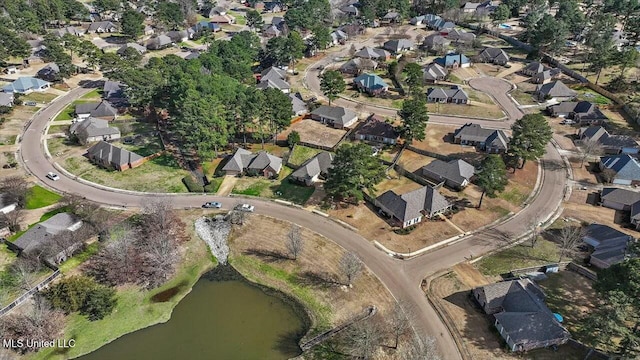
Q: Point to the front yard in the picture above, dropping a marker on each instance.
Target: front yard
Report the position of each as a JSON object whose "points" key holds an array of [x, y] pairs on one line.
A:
{"points": [[281, 188], [519, 256], [39, 197]]}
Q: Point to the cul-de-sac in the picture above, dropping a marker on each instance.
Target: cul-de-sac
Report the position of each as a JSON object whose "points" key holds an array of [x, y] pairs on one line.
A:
{"points": [[319, 179]]}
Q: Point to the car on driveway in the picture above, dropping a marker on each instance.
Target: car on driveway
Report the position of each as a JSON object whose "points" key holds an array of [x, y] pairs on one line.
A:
{"points": [[212, 205], [567, 122], [53, 176], [245, 208]]}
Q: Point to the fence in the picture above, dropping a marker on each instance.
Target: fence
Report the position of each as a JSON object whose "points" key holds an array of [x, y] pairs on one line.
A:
{"points": [[592, 353], [583, 271], [28, 294], [419, 179], [543, 268], [430, 154]]}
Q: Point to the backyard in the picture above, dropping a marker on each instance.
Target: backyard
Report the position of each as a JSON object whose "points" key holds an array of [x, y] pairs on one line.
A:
{"points": [[301, 153]]}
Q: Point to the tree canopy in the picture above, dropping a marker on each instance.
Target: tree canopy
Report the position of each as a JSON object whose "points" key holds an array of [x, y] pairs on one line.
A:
{"points": [[132, 23], [531, 133], [332, 83], [414, 119], [491, 177], [353, 170]]}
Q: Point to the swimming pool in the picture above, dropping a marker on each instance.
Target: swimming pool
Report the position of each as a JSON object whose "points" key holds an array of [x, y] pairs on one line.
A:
{"points": [[504, 26]]}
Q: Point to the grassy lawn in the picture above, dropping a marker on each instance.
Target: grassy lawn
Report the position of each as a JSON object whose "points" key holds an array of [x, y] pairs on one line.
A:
{"points": [[252, 187], [514, 196], [300, 154], [39, 97], [293, 192], [78, 259], [214, 184], [520, 256], [59, 129], [134, 309], [8, 139], [490, 112], [523, 98], [38, 197], [144, 145], [162, 174], [67, 113], [281, 189], [95, 94], [584, 93]]}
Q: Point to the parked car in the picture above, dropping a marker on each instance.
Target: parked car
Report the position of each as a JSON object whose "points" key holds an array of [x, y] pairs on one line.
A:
{"points": [[245, 207], [212, 205], [30, 103], [53, 176], [567, 122]]}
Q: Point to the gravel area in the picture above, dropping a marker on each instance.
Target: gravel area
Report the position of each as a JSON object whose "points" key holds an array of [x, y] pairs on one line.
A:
{"points": [[215, 233]]}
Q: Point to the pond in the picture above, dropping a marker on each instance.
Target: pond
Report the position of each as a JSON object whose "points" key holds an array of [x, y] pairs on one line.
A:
{"points": [[225, 318]]}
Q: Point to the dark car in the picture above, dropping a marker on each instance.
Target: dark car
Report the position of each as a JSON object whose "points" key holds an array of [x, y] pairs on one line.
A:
{"points": [[212, 205]]}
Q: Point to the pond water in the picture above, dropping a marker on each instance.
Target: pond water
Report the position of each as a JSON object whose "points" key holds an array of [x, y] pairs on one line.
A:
{"points": [[228, 319]]}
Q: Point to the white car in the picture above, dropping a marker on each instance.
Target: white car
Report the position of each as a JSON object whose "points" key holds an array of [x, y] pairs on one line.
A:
{"points": [[53, 176], [567, 122], [245, 208]]}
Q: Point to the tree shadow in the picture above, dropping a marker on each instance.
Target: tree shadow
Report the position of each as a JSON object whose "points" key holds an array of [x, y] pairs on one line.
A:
{"points": [[268, 256], [319, 279], [552, 165], [287, 343]]}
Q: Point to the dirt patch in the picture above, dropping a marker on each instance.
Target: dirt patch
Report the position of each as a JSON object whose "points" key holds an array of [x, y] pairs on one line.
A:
{"points": [[578, 208], [469, 275], [315, 133], [438, 140]]}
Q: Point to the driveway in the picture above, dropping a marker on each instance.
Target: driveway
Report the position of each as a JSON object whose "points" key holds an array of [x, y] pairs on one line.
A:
{"points": [[402, 278]]}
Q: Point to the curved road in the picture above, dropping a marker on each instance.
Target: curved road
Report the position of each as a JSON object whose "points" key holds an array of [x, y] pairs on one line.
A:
{"points": [[402, 278]]}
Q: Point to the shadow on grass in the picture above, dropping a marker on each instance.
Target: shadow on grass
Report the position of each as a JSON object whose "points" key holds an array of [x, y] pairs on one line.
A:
{"points": [[290, 191], [318, 279], [166, 160], [268, 256]]}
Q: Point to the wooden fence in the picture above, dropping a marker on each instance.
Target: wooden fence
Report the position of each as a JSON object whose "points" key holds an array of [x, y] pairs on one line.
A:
{"points": [[28, 294]]}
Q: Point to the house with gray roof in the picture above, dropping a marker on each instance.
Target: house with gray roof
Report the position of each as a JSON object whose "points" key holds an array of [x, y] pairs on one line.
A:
{"points": [[26, 85], [555, 90], [113, 90], [336, 116], [372, 84], [51, 73], [609, 245], [376, 129], [159, 42], [440, 24], [391, 17], [460, 36], [533, 68], [410, 208], [545, 76], [423, 19], [112, 157], [398, 45], [338, 37], [103, 110], [494, 55], [357, 65], [137, 47], [582, 112], [611, 144], [618, 199], [314, 169], [487, 140], [455, 174], [625, 169], [635, 214], [39, 235], [373, 53], [453, 61], [350, 10], [245, 162], [454, 95], [520, 314], [6, 99], [72, 30], [436, 42], [92, 130], [298, 106], [433, 73], [102, 27], [274, 77]]}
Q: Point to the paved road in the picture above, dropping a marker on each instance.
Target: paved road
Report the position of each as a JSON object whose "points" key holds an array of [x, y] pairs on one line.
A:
{"points": [[402, 278]]}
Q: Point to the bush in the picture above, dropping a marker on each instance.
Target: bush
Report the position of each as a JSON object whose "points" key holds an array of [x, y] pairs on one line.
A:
{"points": [[293, 138], [82, 294], [191, 184]]}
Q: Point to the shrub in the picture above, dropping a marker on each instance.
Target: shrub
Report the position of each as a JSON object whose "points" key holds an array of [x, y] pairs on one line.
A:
{"points": [[191, 184], [82, 294], [293, 138]]}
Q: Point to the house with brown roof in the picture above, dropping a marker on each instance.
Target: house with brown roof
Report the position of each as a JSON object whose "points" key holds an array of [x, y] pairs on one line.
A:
{"points": [[376, 129], [112, 157], [555, 90], [520, 315], [411, 208], [493, 55]]}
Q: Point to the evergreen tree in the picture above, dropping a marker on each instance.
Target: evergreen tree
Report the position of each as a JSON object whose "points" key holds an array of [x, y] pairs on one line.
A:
{"points": [[132, 23], [254, 20], [492, 177], [530, 136], [332, 83], [353, 171], [414, 119]]}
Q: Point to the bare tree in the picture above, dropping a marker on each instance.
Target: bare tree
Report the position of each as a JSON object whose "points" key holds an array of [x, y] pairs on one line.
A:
{"points": [[159, 216], [352, 50], [590, 148], [117, 262], [295, 242], [398, 323], [608, 175], [41, 323], [534, 230], [25, 269], [350, 266], [570, 236], [14, 189], [14, 219], [364, 338], [420, 348]]}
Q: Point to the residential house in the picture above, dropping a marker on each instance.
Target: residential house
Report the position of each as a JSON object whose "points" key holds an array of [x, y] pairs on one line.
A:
{"points": [[436, 42], [582, 112], [37, 236], [376, 129], [92, 130], [398, 46], [113, 90], [611, 144], [274, 77], [339, 37], [336, 116], [618, 199], [487, 140], [391, 17], [635, 214], [494, 55], [271, 31], [456, 174], [37, 53], [222, 19], [453, 61], [6, 99], [178, 36], [619, 39], [410, 208], [555, 90], [353, 29], [460, 36], [350, 10], [439, 24], [356, 65], [433, 73], [273, 72], [137, 47], [533, 68], [26, 85], [521, 316], [609, 245], [314, 169], [454, 95], [216, 10], [7, 203], [244, 161], [102, 110], [148, 30], [258, 6], [112, 157], [545, 76], [102, 27], [206, 25], [625, 169], [469, 7], [159, 42], [273, 7], [298, 106], [371, 84], [417, 20], [50, 73], [68, 30], [372, 53]]}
